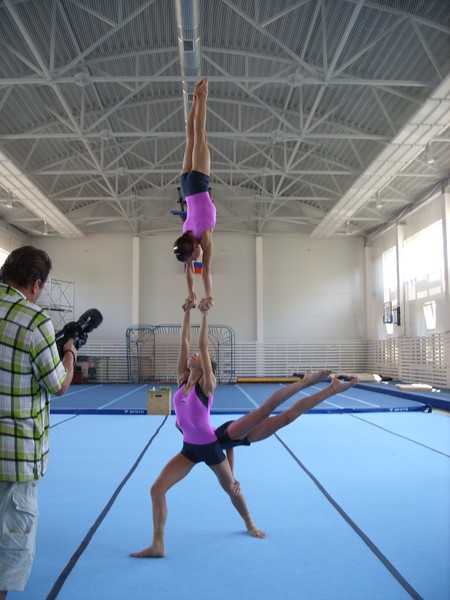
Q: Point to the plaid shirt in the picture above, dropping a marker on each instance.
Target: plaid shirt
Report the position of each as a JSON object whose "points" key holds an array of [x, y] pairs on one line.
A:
{"points": [[30, 370]]}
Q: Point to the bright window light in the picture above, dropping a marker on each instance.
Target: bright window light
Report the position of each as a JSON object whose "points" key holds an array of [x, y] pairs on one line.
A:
{"points": [[424, 263], [429, 311], [389, 328], [3, 256]]}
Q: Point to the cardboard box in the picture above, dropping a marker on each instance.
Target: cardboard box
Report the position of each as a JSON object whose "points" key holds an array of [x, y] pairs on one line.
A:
{"points": [[159, 402]]}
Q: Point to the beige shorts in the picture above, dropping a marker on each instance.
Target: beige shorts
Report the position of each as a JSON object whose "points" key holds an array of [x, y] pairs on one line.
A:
{"points": [[18, 523]]}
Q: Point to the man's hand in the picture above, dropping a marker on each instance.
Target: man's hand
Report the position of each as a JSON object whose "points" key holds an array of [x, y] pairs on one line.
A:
{"points": [[70, 347]]}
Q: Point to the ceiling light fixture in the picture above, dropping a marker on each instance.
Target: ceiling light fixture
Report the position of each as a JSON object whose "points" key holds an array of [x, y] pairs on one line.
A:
{"points": [[429, 158], [379, 204], [29, 196]]}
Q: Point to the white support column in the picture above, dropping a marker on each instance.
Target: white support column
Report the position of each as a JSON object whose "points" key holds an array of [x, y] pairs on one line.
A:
{"points": [[401, 330], [259, 290], [135, 281], [369, 331], [260, 356], [446, 251]]}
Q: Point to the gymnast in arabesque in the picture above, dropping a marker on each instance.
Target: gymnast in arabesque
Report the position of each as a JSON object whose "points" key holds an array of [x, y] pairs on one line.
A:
{"points": [[203, 443]]}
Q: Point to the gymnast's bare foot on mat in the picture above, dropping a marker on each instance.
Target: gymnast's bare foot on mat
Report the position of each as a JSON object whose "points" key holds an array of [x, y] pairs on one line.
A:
{"points": [[150, 552], [253, 530]]}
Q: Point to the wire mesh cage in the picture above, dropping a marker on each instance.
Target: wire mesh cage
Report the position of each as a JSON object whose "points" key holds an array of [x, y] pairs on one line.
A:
{"points": [[152, 351]]}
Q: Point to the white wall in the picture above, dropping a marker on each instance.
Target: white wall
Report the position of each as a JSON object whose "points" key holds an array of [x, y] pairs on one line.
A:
{"points": [[163, 283], [10, 238], [313, 289], [313, 292], [101, 267]]}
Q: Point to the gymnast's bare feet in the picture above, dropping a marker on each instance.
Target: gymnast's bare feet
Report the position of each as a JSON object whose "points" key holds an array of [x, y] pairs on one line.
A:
{"points": [[153, 551], [201, 88], [338, 386], [253, 530], [312, 377]]}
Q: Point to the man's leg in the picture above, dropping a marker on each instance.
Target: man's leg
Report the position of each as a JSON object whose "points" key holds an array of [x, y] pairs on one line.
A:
{"points": [[18, 533]]}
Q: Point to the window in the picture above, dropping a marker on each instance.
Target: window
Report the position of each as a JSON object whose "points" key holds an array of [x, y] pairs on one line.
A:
{"points": [[429, 312], [424, 263]]}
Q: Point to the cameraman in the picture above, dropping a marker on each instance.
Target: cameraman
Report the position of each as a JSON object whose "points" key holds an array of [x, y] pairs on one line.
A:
{"points": [[30, 371]]}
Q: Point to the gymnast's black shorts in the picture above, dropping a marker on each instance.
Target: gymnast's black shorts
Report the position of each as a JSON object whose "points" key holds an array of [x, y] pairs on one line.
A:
{"points": [[211, 454], [225, 440], [193, 182]]}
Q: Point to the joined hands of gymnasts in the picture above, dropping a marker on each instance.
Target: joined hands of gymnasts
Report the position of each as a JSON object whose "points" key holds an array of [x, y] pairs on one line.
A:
{"points": [[203, 306], [205, 303]]}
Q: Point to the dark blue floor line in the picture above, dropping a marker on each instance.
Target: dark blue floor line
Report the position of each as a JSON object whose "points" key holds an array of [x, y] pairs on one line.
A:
{"points": [[384, 560], [84, 544], [401, 436], [69, 418]]}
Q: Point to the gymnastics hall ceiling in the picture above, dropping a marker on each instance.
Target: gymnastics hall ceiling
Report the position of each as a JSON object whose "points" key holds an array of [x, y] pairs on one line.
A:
{"points": [[324, 117]]}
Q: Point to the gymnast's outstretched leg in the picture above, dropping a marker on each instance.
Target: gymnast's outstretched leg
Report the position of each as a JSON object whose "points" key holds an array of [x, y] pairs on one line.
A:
{"points": [[201, 158], [272, 424], [196, 154], [240, 428], [187, 158]]}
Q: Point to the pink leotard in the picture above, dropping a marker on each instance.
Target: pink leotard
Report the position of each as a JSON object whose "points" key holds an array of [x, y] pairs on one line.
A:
{"points": [[193, 416], [201, 214]]}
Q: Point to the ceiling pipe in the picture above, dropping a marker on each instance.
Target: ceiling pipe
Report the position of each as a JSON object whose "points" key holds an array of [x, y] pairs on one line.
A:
{"points": [[188, 16]]}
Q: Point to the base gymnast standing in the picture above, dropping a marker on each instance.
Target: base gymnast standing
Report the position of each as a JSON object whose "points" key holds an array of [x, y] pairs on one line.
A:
{"points": [[203, 443]]}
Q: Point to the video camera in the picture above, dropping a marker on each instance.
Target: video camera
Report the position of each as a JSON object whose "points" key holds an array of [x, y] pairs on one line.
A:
{"points": [[77, 331]]}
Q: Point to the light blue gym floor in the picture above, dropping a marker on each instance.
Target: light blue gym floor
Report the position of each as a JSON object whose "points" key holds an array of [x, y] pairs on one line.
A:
{"points": [[355, 506]]}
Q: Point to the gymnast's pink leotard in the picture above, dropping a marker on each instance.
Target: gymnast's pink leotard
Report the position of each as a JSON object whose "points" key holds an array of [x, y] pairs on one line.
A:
{"points": [[193, 416], [201, 214]]}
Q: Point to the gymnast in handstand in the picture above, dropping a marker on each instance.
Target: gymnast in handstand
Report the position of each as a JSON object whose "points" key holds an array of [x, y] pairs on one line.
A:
{"points": [[201, 212]]}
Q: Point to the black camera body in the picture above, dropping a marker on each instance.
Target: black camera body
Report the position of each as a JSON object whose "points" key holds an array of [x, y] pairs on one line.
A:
{"points": [[77, 331]]}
